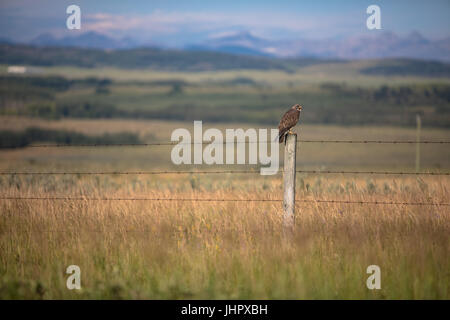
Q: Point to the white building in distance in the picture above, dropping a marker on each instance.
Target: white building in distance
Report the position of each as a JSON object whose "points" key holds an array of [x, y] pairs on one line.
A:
{"points": [[17, 69]]}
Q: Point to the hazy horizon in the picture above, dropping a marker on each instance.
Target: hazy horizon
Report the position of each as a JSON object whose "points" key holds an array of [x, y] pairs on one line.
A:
{"points": [[180, 23]]}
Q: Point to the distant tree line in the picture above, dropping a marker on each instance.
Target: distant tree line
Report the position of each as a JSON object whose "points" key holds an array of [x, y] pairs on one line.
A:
{"points": [[18, 139], [409, 67], [187, 60], [133, 58]]}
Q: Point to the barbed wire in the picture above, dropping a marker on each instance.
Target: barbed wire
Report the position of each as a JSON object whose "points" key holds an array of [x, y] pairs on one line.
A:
{"points": [[78, 230], [219, 172], [237, 142], [228, 200], [374, 172], [377, 141]]}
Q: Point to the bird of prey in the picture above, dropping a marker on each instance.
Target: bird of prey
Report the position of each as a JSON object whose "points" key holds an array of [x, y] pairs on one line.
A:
{"points": [[288, 121]]}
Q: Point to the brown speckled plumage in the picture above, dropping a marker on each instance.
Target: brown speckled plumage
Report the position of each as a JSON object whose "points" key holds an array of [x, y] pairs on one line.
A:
{"points": [[289, 120]]}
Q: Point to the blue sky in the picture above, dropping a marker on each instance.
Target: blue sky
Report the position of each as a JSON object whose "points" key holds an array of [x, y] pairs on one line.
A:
{"points": [[182, 22]]}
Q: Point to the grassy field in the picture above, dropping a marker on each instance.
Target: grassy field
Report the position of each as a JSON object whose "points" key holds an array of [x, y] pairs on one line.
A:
{"points": [[310, 155], [233, 250], [173, 250], [186, 249]]}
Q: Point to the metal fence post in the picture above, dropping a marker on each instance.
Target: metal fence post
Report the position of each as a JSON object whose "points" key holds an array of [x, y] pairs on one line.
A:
{"points": [[289, 180]]}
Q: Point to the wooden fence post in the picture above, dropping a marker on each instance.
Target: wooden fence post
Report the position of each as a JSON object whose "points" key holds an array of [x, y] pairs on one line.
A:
{"points": [[289, 180], [419, 126]]}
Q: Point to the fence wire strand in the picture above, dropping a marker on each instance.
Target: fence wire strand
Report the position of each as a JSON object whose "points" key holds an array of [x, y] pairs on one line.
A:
{"points": [[229, 200], [226, 172], [220, 172], [61, 145]]}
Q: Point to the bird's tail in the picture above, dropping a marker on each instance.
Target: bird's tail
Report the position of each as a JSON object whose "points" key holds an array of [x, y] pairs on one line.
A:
{"points": [[280, 136]]}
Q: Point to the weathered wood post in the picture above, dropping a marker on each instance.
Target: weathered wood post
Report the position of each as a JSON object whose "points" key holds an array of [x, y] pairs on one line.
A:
{"points": [[289, 180]]}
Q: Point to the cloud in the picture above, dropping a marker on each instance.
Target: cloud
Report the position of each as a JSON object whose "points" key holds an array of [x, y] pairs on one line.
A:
{"points": [[270, 19], [262, 23]]}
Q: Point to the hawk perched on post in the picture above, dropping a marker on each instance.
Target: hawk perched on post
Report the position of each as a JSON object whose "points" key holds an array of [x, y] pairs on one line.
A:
{"points": [[288, 121]]}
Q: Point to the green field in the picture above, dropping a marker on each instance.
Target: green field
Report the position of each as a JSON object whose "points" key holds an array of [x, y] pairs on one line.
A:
{"points": [[331, 93]]}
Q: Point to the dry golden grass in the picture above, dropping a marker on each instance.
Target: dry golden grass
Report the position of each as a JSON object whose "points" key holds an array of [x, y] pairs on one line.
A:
{"points": [[187, 249]]}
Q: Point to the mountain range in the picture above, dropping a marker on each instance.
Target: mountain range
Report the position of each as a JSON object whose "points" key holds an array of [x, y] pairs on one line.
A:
{"points": [[379, 45]]}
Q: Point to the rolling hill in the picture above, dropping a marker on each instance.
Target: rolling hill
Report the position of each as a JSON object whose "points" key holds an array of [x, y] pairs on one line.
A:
{"points": [[195, 60]]}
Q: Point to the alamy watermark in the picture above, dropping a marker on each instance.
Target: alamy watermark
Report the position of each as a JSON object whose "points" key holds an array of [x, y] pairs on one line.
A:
{"points": [[74, 20], [374, 20], [374, 280], [74, 280], [214, 153]]}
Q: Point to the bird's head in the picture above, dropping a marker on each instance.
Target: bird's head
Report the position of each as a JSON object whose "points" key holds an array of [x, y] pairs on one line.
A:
{"points": [[297, 107]]}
